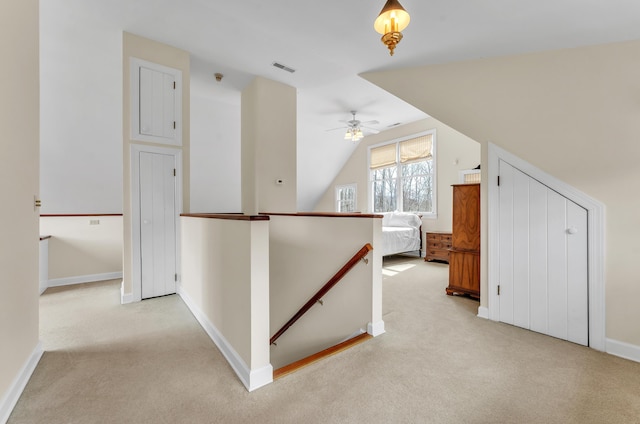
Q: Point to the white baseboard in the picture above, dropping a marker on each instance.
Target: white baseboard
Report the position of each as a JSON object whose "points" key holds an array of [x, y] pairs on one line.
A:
{"points": [[125, 297], [623, 350], [252, 379], [376, 329], [67, 281], [10, 398], [483, 312]]}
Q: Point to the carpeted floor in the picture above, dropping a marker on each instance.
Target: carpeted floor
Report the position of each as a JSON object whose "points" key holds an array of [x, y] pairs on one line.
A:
{"points": [[150, 362]]}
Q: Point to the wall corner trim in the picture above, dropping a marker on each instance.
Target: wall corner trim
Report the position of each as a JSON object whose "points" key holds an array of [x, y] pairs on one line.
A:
{"points": [[252, 379], [376, 329], [483, 312], [10, 398], [125, 297], [623, 350]]}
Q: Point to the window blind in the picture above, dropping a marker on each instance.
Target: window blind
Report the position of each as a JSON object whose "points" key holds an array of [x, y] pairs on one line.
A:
{"points": [[383, 156], [416, 148]]}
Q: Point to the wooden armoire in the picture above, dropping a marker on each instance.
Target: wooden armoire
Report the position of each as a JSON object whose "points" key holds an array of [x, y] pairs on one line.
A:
{"points": [[464, 255]]}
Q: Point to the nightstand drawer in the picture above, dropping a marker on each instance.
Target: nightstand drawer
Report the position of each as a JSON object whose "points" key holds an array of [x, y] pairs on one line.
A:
{"points": [[437, 247]]}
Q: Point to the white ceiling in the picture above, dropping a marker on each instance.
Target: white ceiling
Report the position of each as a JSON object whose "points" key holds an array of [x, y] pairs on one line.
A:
{"points": [[330, 42]]}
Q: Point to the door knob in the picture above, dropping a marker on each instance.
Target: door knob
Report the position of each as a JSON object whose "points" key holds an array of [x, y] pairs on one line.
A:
{"points": [[572, 230]]}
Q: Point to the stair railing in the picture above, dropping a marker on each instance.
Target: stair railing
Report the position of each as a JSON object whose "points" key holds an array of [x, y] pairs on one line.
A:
{"points": [[324, 290]]}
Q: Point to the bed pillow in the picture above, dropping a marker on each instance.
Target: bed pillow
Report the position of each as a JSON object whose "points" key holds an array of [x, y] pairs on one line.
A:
{"points": [[403, 219], [386, 219]]}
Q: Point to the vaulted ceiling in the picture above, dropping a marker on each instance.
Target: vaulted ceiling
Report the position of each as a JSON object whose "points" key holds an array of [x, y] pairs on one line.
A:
{"points": [[330, 42]]}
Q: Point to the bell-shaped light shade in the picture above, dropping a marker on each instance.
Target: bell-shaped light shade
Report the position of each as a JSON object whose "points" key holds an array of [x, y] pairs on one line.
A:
{"points": [[392, 18]]}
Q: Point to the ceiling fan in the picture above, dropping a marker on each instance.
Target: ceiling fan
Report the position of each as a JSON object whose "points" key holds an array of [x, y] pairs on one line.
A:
{"points": [[354, 128]]}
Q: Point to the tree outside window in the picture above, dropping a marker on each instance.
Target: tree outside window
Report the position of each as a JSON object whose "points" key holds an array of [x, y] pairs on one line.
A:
{"points": [[346, 198], [403, 176]]}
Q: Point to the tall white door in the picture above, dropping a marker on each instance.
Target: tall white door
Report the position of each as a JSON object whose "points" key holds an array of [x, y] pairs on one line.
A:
{"points": [[543, 258], [158, 217]]}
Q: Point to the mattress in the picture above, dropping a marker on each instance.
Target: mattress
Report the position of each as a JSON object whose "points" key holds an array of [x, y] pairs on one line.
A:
{"points": [[400, 239]]}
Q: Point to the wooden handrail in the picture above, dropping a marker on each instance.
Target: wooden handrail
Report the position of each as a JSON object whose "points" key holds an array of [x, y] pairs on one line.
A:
{"points": [[324, 290]]}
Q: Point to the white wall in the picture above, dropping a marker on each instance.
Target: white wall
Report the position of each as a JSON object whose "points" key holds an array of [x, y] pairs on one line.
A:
{"points": [[454, 152], [215, 154], [305, 252], [81, 119], [79, 248], [81, 112], [572, 113], [268, 147], [19, 347], [225, 282]]}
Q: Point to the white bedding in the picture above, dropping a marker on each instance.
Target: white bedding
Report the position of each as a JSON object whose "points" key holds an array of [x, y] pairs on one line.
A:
{"points": [[400, 233], [399, 239]]}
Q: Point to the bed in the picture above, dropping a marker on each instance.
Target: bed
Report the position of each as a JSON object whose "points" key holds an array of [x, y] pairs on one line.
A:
{"points": [[401, 232]]}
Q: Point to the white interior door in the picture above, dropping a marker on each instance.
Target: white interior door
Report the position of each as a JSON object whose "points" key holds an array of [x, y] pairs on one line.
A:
{"points": [[157, 103], [158, 215], [543, 283]]}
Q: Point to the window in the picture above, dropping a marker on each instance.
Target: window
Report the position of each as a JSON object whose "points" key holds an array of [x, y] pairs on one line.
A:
{"points": [[402, 175], [470, 176], [346, 198]]}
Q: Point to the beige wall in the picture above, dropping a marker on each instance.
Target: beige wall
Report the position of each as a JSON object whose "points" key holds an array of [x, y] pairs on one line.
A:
{"points": [[225, 274], [19, 120], [268, 147], [78, 248], [305, 253], [572, 113], [152, 51], [451, 146]]}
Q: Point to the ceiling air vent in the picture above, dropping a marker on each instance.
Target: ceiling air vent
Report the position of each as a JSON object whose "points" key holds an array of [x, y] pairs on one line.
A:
{"points": [[283, 67], [394, 125]]}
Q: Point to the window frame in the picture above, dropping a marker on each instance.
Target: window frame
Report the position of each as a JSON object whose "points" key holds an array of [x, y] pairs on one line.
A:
{"points": [[337, 196], [398, 165]]}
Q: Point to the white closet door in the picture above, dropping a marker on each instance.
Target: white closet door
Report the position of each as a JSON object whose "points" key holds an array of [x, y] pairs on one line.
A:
{"points": [[543, 258], [158, 224], [157, 98]]}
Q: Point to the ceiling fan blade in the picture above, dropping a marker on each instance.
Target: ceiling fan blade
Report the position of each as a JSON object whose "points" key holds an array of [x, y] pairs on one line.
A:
{"points": [[374, 122], [372, 130], [338, 128]]}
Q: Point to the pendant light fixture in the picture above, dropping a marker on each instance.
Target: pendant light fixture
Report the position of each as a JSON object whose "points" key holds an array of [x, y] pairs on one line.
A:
{"points": [[391, 21]]}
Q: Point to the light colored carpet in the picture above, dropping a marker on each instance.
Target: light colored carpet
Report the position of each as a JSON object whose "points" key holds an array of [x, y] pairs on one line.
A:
{"points": [[150, 362]]}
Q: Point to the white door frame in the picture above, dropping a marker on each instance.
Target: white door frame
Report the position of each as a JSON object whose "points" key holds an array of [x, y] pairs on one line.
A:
{"points": [[595, 240], [136, 149]]}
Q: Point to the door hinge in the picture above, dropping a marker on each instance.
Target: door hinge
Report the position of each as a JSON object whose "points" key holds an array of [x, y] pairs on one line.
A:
{"points": [[174, 172], [498, 289], [498, 180], [174, 125], [174, 85], [175, 277]]}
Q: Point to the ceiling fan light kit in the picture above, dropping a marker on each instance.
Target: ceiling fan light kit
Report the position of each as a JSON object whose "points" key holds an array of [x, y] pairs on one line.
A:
{"points": [[391, 21], [354, 128], [353, 134]]}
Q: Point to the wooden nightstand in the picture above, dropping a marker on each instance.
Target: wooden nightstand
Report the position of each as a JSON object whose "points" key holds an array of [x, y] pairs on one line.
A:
{"points": [[438, 245]]}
